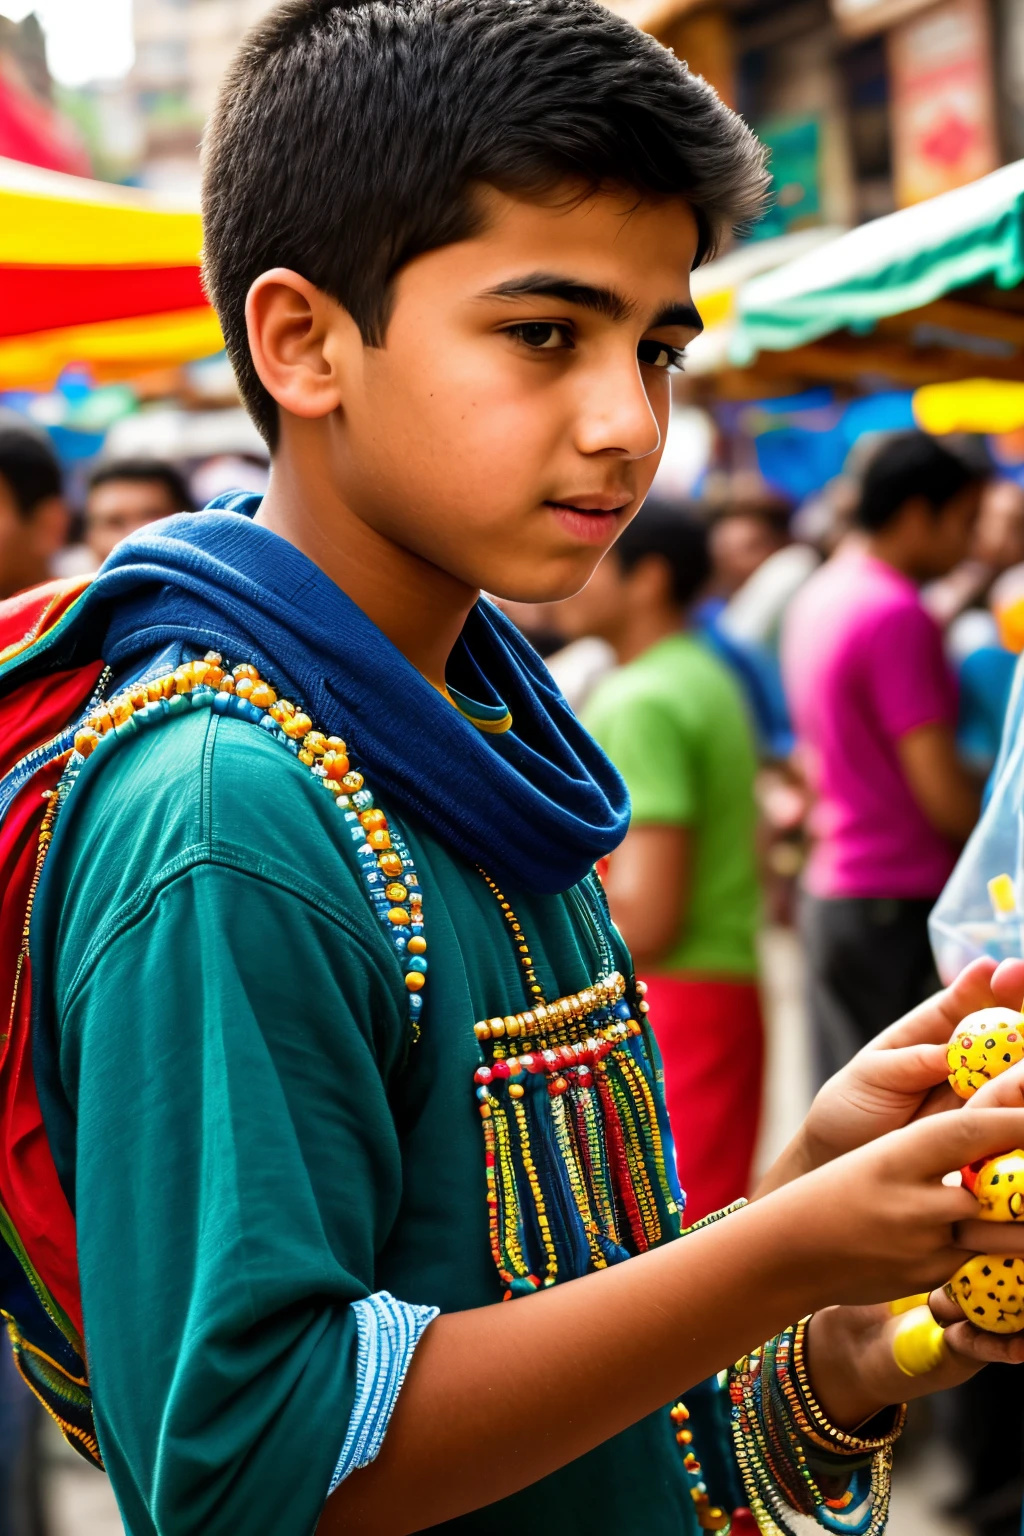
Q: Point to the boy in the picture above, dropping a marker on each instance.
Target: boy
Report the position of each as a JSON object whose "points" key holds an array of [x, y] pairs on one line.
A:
{"points": [[450, 246], [125, 495], [33, 513], [683, 885], [874, 706]]}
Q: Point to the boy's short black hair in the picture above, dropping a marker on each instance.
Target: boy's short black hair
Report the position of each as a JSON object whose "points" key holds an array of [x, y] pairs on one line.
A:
{"points": [[28, 466], [158, 470], [676, 533], [910, 465], [349, 138]]}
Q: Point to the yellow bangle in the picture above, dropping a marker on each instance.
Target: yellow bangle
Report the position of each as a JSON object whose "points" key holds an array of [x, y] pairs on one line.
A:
{"points": [[919, 1344]]}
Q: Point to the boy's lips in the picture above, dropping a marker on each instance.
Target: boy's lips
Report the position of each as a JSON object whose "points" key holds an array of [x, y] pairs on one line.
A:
{"points": [[591, 519]]}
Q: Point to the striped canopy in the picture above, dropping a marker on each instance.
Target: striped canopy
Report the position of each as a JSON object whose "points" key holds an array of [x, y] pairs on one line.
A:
{"points": [[95, 275]]}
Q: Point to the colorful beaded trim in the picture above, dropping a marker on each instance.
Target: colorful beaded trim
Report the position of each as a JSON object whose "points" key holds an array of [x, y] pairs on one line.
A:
{"points": [[385, 862], [576, 1172]]}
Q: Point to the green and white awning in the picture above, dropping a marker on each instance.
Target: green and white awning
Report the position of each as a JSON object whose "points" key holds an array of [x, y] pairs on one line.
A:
{"points": [[887, 267]]}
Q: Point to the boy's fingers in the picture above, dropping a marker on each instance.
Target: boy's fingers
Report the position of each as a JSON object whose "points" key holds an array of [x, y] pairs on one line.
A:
{"points": [[1008, 983], [1004, 1238], [933, 1147], [1003, 1092], [911, 1068], [943, 1308], [984, 1348]]}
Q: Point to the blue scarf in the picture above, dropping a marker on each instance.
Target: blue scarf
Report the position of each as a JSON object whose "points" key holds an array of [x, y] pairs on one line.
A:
{"points": [[536, 806]]}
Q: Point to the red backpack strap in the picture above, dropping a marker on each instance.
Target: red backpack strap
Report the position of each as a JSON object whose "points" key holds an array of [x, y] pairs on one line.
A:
{"points": [[39, 1287]]}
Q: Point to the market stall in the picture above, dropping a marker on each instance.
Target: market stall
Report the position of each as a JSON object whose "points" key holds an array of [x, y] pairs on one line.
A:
{"points": [[97, 276]]}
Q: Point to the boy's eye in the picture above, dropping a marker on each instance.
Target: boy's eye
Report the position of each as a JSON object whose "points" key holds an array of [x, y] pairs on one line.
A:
{"points": [[658, 354], [541, 335]]}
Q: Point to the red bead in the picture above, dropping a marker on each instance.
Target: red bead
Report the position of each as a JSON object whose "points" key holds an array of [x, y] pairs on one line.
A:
{"points": [[500, 1069], [482, 1075]]}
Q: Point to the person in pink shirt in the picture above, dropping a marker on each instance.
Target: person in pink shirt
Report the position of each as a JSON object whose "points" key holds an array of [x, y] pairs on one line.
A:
{"points": [[874, 709]]}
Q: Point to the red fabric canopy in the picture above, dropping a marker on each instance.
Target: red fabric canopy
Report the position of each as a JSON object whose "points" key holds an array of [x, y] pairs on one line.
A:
{"points": [[36, 299], [32, 131]]}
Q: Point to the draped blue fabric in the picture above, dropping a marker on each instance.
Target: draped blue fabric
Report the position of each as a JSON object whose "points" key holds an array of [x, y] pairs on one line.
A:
{"points": [[536, 806]]}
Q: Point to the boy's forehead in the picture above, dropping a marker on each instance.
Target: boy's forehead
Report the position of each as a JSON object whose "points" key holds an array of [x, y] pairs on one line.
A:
{"points": [[642, 248]]}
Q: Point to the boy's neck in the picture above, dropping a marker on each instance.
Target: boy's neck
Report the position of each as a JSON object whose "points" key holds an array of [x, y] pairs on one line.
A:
{"points": [[420, 608]]}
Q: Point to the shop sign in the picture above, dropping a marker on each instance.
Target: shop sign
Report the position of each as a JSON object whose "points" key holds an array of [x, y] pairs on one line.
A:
{"points": [[942, 95], [794, 159]]}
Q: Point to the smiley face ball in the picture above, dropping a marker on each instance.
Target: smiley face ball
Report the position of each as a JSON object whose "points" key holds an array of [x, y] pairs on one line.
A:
{"points": [[999, 1188], [986, 1044], [989, 1291]]}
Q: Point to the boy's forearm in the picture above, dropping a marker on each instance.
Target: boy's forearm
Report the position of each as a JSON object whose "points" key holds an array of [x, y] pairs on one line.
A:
{"points": [[499, 1397]]}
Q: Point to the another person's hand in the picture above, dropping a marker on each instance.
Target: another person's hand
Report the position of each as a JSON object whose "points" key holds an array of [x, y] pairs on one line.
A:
{"points": [[901, 1075]]}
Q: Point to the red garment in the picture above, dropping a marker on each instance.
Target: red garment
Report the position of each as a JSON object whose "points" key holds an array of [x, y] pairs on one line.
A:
{"points": [[711, 1038]]}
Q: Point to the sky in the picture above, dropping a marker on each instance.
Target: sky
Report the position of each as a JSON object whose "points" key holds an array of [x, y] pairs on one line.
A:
{"points": [[85, 39]]}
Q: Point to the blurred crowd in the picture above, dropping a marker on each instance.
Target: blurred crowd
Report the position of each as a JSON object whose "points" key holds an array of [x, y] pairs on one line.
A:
{"points": [[805, 704]]}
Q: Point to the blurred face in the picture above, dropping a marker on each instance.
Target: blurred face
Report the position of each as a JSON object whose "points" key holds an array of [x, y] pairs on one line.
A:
{"points": [[999, 535], [28, 543], [514, 419], [941, 542], [117, 508], [739, 544]]}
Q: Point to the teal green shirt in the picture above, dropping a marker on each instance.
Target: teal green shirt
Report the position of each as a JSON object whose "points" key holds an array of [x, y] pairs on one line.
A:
{"points": [[250, 1144], [674, 724]]}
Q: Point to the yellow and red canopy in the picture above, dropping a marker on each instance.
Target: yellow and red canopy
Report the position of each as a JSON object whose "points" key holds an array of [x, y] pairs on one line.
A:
{"points": [[95, 275]]}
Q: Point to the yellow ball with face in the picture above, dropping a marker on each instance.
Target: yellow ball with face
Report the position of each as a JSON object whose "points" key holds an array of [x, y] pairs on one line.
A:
{"points": [[986, 1044], [990, 1292], [999, 1188]]}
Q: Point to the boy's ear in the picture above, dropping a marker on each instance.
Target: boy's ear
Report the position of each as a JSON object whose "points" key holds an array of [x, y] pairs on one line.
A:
{"points": [[303, 343]]}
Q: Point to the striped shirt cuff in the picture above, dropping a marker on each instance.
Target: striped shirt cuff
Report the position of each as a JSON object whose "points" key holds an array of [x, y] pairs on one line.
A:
{"points": [[388, 1331]]}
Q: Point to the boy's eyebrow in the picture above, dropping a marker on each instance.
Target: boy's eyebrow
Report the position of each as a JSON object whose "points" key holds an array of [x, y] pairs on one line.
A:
{"points": [[604, 301]]}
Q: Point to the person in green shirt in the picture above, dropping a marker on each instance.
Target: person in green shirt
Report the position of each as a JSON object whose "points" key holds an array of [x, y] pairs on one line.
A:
{"points": [[334, 1157], [683, 885]]}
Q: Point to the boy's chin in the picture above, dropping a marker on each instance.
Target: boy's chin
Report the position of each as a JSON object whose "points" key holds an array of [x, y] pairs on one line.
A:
{"points": [[541, 582]]}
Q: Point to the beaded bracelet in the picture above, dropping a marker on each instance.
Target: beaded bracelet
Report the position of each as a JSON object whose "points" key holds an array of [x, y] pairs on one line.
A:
{"points": [[786, 1447]]}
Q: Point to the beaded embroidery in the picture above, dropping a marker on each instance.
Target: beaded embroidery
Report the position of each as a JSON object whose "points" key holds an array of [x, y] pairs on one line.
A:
{"points": [[577, 1177], [385, 862]]}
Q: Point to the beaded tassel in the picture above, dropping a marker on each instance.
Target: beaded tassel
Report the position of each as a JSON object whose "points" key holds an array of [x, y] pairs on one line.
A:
{"points": [[576, 1166]]}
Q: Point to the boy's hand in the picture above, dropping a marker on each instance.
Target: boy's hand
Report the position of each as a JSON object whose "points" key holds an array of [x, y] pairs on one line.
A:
{"points": [[879, 1222], [900, 1076]]}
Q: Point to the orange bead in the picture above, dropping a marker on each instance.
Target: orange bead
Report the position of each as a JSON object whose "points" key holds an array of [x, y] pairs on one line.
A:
{"points": [[214, 677], [245, 669], [379, 839], [121, 710], [244, 687], [200, 671], [139, 696], [390, 863], [262, 696], [183, 680], [296, 726], [85, 740], [282, 710], [374, 821], [316, 742], [415, 982], [336, 744], [399, 916], [417, 945], [397, 892], [227, 683], [353, 781], [214, 657]]}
